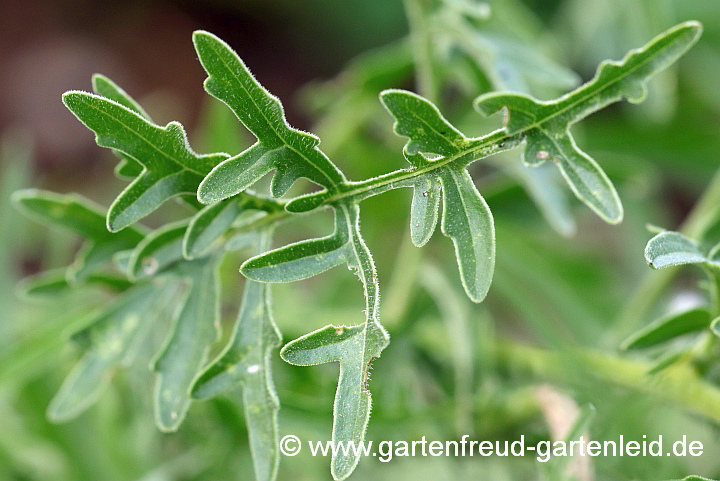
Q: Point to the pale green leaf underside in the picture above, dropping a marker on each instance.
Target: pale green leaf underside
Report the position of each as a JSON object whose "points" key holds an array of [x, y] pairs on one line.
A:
{"points": [[293, 153], [195, 329], [669, 249], [213, 221], [171, 168], [246, 362], [110, 338]]}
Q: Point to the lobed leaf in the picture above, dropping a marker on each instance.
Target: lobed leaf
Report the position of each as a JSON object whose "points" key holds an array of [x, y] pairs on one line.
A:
{"points": [[466, 217], [128, 168], [545, 125], [353, 347], [423, 124], [293, 153], [170, 167]]}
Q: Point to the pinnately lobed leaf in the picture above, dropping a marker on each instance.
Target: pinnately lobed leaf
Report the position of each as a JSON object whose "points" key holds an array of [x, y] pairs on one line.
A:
{"points": [[467, 219], [171, 168], [353, 347], [293, 153], [128, 168], [544, 126]]}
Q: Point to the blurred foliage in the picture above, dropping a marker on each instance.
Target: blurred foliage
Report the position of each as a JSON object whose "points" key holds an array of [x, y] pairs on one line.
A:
{"points": [[453, 367]]}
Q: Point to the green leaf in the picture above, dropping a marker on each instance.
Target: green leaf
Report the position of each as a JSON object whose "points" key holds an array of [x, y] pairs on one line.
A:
{"points": [[302, 259], [83, 217], [423, 124], [158, 250], [467, 220], [669, 249], [466, 216], [171, 168], [111, 338], [424, 209], [353, 347], [195, 329], [669, 327], [293, 153], [55, 282], [246, 361], [128, 168], [214, 220], [544, 126]]}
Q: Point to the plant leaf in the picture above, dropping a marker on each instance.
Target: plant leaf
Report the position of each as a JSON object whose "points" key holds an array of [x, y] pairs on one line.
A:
{"points": [[669, 327], [466, 217], [171, 168], [353, 347], [424, 209], [545, 125], [214, 220], [158, 250], [111, 338], [467, 220], [128, 168], [673, 249], [293, 153], [55, 282], [246, 361], [302, 259], [195, 329], [85, 218]]}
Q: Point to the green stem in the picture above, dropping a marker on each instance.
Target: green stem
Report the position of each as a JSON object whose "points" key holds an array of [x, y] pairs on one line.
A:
{"points": [[679, 384]]}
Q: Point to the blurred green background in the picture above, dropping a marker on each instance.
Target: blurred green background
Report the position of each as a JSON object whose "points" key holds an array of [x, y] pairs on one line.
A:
{"points": [[453, 367]]}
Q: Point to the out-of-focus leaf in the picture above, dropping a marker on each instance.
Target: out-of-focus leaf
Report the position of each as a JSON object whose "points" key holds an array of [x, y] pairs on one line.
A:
{"points": [[213, 221], [158, 250], [83, 217], [195, 328], [110, 339], [669, 327]]}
